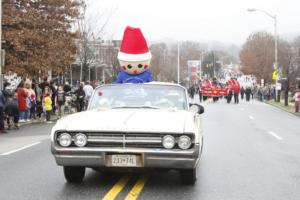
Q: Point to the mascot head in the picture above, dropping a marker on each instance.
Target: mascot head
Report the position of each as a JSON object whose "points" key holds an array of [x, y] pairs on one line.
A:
{"points": [[134, 55]]}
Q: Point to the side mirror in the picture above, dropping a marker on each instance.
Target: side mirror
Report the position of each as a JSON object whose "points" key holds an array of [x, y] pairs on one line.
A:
{"points": [[196, 108]]}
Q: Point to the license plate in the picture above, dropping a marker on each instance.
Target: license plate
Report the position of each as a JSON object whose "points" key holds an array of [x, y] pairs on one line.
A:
{"points": [[124, 160]]}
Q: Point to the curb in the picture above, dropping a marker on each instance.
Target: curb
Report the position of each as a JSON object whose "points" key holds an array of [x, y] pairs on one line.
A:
{"points": [[36, 122], [296, 114]]}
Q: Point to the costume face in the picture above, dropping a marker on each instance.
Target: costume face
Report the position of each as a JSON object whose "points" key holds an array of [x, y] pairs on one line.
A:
{"points": [[134, 67]]}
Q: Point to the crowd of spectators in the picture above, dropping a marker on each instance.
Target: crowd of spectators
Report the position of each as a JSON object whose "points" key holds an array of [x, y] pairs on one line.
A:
{"points": [[39, 101]]}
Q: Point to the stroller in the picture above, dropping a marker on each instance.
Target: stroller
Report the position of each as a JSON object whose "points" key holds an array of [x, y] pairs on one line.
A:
{"points": [[71, 103]]}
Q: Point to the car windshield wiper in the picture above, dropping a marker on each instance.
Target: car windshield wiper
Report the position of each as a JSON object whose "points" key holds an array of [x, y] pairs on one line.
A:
{"points": [[149, 107]]}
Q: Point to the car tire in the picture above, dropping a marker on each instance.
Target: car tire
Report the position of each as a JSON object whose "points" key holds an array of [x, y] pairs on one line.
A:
{"points": [[74, 174], [188, 176]]}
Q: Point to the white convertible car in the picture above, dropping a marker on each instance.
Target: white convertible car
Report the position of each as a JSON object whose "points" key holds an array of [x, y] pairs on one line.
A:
{"points": [[129, 126]]}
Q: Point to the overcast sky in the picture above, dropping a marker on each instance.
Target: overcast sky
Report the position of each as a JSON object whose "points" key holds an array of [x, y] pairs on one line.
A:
{"points": [[225, 21]]}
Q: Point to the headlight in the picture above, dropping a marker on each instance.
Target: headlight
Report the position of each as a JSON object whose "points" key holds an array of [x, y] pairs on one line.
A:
{"points": [[65, 140], [80, 140], [184, 142], [168, 141]]}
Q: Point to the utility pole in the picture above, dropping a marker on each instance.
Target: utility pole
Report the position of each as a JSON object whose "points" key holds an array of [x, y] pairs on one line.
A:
{"points": [[1, 61], [178, 65], [213, 55], [103, 74], [89, 72], [81, 72], [71, 75], [274, 17]]}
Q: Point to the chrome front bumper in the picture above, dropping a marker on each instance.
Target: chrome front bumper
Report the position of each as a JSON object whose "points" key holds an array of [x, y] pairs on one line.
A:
{"points": [[151, 158]]}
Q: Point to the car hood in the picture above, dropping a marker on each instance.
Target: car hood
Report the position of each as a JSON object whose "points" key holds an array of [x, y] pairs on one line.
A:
{"points": [[128, 120]]}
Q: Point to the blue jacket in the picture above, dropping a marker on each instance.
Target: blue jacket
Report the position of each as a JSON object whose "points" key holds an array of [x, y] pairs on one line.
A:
{"points": [[124, 77]]}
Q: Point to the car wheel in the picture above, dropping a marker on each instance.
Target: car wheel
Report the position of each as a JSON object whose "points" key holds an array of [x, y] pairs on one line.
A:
{"points": [[74, 174], [188, 176]]}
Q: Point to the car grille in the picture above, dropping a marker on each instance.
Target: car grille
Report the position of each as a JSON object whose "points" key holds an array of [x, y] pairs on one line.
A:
{"points": [[124, 140], [139, 140]]}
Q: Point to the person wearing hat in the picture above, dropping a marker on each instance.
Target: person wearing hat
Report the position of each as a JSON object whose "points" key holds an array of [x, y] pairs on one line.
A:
{"points": [[134, 58]]}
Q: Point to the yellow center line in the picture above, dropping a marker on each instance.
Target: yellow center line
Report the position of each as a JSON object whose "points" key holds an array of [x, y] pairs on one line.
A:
{"points": [[137, 188], [117, 188]]}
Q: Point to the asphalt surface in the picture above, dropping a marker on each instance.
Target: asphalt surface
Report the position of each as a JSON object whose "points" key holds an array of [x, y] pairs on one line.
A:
{"points": [[251, 151]]}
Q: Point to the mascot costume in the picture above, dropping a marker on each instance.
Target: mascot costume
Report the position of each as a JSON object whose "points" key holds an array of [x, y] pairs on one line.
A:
{"points": [[134, 58]]}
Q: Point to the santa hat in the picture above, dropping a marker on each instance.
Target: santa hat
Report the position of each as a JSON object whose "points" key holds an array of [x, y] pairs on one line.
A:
{"points": [[134, 46]]}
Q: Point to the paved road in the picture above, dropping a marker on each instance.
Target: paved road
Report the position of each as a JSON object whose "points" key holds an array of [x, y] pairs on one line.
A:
{"points": [[251, 151]]}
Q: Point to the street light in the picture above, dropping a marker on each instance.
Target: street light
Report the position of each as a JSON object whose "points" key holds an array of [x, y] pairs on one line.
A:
{"points": [[274, 17], [178, 62]]}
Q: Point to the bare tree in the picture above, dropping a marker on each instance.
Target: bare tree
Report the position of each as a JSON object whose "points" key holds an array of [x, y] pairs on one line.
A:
{"points": [[90, 31], [257, 55]]}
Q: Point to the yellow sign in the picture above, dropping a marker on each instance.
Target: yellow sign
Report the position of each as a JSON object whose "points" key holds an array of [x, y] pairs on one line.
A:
{"points": [[275, 75]]}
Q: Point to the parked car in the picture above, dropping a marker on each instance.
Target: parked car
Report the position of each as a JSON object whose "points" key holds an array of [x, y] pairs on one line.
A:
{"points": [[131, 126]]}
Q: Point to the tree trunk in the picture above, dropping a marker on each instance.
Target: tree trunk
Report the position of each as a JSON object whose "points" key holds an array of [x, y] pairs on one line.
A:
{"points": [[286, 95], [287, 88]]}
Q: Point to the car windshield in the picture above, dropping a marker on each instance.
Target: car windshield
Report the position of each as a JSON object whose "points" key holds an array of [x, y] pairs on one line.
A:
{"points": [[139, 96]]}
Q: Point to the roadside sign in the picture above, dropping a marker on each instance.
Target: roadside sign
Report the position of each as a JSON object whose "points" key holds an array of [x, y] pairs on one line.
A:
{"points": [[262, 82], [275, 75], [278, 86]]}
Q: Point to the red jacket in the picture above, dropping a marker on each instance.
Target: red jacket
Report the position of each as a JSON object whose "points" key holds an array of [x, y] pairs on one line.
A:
{"points": [[236, 86], [22, 101]]}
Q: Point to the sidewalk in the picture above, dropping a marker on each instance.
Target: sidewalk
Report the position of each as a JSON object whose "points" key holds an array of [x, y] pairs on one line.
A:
{"points": [[290, 108], [54, 118]]}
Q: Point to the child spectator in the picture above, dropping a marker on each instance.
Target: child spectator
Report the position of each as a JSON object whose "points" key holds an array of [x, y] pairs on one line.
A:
{"points": [[47, 106], [11, 110], [32, 99]]}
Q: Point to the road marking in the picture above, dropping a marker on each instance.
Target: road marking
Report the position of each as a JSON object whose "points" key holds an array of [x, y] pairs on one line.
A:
{"points": [[137, 188], [117, 188], [242, 109], [20, 149], [275, 135], [251, 117]]}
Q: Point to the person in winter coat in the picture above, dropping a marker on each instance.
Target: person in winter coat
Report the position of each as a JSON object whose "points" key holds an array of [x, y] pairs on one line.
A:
{"points": [[242, 92], [297, 99], [230, 91], [31, 101], [67, 87], [44, 84], [39, 104], [248, 93], [200, 93], [80, 94], [6, 92], [236, 90], [11, 110], [192, 91], [2, 104], [22, 101], [60, 101], [53, 96]]}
